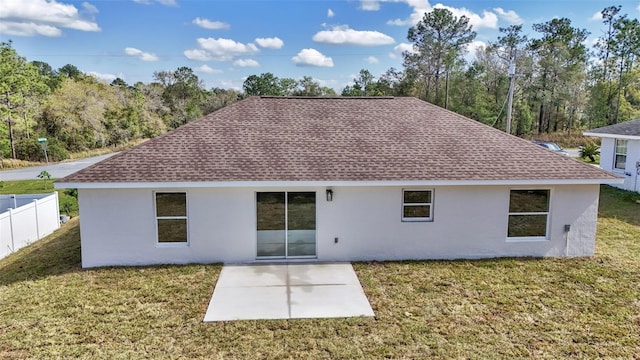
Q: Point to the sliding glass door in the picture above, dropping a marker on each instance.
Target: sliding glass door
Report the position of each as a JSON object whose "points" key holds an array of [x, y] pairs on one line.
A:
{"points": [[286, 224], [272, 220]]}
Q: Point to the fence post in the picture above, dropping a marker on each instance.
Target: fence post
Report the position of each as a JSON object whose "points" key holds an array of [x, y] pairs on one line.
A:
{"points": [[57, 200], [13, 246], [35, 206]]}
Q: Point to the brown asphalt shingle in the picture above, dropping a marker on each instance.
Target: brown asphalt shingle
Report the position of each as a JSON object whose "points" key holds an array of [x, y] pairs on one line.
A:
{"points": [[334, 139]]}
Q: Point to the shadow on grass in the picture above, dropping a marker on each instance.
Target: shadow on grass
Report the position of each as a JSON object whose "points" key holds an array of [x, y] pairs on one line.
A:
{"points": [[56, 254], [619, 204]]}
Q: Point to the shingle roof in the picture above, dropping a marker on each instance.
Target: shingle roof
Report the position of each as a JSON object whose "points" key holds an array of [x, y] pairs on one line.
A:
{"points": [[334, 139], [627, 128]]}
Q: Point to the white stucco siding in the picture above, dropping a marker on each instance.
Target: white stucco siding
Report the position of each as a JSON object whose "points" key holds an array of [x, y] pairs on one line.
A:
{"points": [[630, 173], [118, 226], [469, 222], [607, 146]]}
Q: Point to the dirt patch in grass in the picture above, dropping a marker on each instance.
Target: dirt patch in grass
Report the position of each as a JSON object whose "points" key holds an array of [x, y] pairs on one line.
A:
{"points": [[498, 308]]}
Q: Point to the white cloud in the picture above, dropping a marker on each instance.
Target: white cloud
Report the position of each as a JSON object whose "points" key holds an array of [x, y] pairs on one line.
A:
{"points": [[474, 47], [510, 16], [220, 50], [211, 25], [231, 84], [312, 57], [198, 55], [89, 8], [43, 17], [104, 77], [371, 60], [638, 8], [369, 5], [270, 43], [399, 49], [591, 41], [163, 2], [419, 8], [330, 13], [208, 70], [246, 63], [334, 84], [486, 20], [342, 35], [144, 56], [596, 16], [28, 29]]}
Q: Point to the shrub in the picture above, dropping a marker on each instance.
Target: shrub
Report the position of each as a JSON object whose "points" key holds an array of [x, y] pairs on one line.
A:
{"points": [[590, 151], [57, 151], [29, 149]]}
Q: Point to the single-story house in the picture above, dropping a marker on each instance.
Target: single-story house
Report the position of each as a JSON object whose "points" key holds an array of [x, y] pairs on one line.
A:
{"points": [[334, 179], [620, 151]]}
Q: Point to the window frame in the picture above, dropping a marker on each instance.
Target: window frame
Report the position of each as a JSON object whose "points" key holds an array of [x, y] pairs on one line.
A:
{"points": [[417, 219], [180, 217], [616, 154], [547, 213]]}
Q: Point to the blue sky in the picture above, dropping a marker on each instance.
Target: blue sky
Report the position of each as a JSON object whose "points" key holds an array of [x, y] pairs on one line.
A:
{"points": [[226, 41]]}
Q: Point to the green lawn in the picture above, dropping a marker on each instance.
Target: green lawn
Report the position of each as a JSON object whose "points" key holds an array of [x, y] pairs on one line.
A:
{"points": [[500, 308]]}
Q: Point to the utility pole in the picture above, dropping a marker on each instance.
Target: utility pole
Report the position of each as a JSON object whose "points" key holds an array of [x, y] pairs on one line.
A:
{"points": [[10, 125], [512, 83], [446, 91]]}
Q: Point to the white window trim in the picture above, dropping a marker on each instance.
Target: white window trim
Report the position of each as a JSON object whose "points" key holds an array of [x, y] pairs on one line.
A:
{"points": [[616, 153], [417, 219], [156, 218], [547, 213]]}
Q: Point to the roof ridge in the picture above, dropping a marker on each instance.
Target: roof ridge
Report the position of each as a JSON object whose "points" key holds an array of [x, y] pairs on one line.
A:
{"points": [[292, 97]]}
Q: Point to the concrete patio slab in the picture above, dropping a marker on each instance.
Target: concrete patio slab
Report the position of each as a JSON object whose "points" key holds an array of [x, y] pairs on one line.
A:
{"points": [[287, 291]]}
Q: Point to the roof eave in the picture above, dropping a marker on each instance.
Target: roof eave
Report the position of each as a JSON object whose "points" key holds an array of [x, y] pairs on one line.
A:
{"points": [[613, 136], [291, 184]]}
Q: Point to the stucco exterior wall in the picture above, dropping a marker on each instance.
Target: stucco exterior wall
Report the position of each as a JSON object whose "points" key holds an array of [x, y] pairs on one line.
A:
{"points": [[630, 174], [118, 226]]}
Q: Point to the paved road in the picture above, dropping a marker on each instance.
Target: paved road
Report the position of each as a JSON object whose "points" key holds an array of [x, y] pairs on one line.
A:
{"points": [[57, 170], [574, 153]]}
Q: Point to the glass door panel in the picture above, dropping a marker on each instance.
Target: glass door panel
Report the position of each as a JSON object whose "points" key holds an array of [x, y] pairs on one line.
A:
{"points": [[301, 224], [271, 216]]}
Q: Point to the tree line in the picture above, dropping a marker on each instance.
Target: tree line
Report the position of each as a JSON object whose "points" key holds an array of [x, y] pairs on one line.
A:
{"points": [[558, 85], [77, 112]]}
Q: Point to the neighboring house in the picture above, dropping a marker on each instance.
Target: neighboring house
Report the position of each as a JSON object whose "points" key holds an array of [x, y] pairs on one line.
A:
{"points": [[620, 151], [334, 179]]}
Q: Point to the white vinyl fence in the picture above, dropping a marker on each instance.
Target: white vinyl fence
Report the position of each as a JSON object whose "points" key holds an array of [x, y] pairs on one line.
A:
{"points": [[26, 219]]}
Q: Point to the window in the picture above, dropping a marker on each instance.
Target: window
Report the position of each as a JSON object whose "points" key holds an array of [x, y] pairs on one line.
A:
{"points": [[171, 217], [620, 159], [528, 213], [417, 205]]}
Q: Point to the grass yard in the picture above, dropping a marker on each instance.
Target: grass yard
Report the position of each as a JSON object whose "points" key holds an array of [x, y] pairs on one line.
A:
{"points": [[500, 308]]}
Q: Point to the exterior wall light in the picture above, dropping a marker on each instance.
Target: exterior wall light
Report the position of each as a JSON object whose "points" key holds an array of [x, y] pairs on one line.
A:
{"points": [[329, 195]]}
